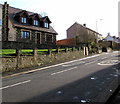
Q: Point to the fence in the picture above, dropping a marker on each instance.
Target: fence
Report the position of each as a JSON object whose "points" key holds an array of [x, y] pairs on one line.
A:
{"points": [[36, 59]]}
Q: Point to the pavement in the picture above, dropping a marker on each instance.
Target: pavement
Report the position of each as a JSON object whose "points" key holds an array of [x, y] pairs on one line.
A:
{"points": [[88, 80]]}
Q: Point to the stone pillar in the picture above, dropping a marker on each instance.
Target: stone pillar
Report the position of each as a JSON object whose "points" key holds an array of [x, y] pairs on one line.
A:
{"points": [[35, 37], [57, 49], [40, 38], [87, 51], [35, 55], [79, 48], [18, 58], [66, 49], [73, 48], [49, 51]]}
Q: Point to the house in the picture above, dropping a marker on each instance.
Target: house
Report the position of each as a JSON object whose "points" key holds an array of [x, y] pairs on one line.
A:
{"points": [[83, 33], [112, 38], [26, 27], [78, 34]]}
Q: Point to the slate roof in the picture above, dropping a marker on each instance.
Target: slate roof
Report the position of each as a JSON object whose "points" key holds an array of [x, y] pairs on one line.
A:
{"points": [[12, 11]]}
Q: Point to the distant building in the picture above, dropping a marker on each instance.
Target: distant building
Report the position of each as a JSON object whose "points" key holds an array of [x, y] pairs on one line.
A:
{"points": [[112, 38], [83, 32], [24, 26]]}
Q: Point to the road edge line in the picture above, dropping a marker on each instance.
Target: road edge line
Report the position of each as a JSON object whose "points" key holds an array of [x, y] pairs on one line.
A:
{"points": [[50, 66]]}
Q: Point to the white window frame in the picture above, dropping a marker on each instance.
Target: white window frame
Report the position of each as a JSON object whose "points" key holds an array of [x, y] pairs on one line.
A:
{"points": [[35, 22], [26, 34], [23, 20], [46, 25]]}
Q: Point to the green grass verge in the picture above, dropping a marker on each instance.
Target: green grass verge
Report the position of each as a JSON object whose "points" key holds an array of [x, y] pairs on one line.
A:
{"points": [[6, 52]]}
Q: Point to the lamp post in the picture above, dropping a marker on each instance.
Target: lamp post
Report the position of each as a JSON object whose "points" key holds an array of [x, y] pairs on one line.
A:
{"points": [[97, 25]]}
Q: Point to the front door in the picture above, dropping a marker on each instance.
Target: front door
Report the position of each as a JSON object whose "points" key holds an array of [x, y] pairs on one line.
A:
{"points": [[38, 38]]}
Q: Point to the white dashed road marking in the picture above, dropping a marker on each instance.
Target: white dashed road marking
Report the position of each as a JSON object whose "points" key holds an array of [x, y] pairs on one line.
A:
{"points": [[63, 71], [15, 84]]}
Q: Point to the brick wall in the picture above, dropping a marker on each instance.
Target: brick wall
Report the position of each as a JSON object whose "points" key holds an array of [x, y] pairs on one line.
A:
{"points": [[67, 42]]}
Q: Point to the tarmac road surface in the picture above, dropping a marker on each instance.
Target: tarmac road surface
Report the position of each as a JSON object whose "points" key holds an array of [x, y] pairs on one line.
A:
{"points": [[91, 79]]}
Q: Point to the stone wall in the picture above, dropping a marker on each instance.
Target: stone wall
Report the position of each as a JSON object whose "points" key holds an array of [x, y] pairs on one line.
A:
{"points": [[11, 64], [12, 32]]}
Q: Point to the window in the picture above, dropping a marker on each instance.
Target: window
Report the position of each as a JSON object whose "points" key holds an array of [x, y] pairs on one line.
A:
{"points": [[35, 22], [49, 38], [46, 25], [25, 34], [23, 20]]}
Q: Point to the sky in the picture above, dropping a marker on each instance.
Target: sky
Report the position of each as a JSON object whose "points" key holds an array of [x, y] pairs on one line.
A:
{"points": [[98, 15]]}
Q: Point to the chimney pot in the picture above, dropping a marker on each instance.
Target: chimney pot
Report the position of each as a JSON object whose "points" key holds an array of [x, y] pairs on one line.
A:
{"points": [[84, 25]]}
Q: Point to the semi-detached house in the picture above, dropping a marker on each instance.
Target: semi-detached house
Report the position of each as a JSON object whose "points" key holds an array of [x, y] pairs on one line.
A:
{"points": [[23, 26]]}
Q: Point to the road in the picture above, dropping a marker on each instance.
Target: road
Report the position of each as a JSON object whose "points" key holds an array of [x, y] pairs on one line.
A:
{"points": [[91, 79]]}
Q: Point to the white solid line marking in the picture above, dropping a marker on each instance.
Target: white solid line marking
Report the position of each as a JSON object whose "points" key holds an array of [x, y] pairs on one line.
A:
{"points": [[15, 84], [63, 71], [73, 64]]}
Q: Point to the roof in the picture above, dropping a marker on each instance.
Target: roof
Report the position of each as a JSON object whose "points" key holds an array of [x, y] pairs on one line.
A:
{"points": [[112, 38], [77, 24], [12, 11]]}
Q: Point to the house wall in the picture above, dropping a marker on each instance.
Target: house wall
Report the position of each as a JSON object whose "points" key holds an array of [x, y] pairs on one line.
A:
{"points": [[33, 36], [0, 22], [12, 32], [77, 30], [99, 37], [72, 31], [82, 33]]}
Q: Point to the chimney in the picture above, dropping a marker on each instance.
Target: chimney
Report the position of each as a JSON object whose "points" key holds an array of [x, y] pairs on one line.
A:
{"points": [[108, 34], [5, 21], [84, 25]]}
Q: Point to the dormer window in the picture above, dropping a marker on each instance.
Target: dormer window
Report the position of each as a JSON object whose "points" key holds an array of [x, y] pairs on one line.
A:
{"points": [[23, 20], [46, 22], [35, 22], [46, 25]]}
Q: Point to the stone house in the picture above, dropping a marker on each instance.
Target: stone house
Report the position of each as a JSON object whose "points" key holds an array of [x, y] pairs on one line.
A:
{"points": [[83, 33], [27, 27]]}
